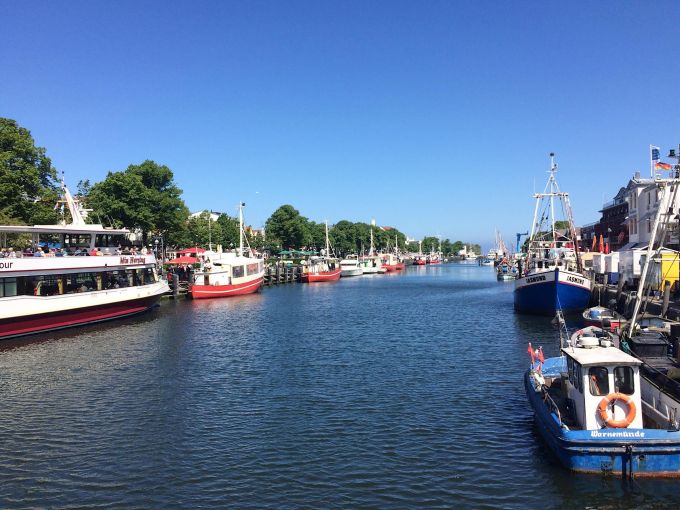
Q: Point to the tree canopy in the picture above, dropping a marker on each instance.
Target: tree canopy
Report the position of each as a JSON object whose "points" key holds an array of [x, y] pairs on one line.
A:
{"points": [[28, 187], [142, 197], [288, 229]]}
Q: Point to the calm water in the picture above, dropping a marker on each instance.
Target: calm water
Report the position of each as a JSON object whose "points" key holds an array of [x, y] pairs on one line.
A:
{"points": [[400, 391]]}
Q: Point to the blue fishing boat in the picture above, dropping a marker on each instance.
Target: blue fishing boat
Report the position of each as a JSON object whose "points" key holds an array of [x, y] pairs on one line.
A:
{"points": [[551, 276], [588, 408]]}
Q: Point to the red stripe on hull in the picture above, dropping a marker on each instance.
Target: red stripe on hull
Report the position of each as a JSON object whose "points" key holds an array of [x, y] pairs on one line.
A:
{"points": [[217, 291], [19, 326], [394, 267], [323, 276]]}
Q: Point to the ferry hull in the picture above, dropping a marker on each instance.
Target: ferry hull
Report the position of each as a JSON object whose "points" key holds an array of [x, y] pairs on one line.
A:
{"points": [[218, 291], [624, 452], [38, 323], [322, 276], [545, 293]]}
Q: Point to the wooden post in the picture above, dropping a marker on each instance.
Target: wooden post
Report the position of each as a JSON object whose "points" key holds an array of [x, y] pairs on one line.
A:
{"points": [[666, 298], [175, 285]]}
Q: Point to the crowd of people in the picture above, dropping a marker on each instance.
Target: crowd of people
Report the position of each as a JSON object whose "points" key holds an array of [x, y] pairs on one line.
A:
{"points": [[73, 251]]}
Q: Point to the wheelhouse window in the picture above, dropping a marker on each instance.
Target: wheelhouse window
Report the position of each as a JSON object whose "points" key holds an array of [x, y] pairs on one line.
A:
{"points": [[598, 380], [237, 271], [624, 381]]}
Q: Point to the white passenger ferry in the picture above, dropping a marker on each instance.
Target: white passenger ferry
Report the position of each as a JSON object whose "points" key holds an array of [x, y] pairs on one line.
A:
{"points": [[84, 278]]}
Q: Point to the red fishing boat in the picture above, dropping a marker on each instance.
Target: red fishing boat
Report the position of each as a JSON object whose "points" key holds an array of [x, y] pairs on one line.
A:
{"points": [[322, 269], [228, 274]]}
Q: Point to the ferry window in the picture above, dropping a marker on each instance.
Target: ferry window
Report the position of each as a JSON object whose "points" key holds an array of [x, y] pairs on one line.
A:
{"points": [[623, 380], [47, 285], [237, 271], [150, 275], [138, 277], [598, 379], [8, 287], [579, 379], [253, 268]]}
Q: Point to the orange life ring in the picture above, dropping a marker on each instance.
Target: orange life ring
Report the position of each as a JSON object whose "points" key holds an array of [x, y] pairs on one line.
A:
{"points": [[617, 424]]}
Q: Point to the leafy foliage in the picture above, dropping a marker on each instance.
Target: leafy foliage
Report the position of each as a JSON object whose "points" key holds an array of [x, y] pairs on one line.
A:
{"points": [[28, 188], [288, 229], [142, 197]]}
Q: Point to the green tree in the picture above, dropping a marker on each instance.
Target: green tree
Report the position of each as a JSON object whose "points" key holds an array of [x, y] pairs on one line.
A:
{"points": [[203, 231], [287, 228], [229, 231], [344, 237], [142, 197], [28, 188]]}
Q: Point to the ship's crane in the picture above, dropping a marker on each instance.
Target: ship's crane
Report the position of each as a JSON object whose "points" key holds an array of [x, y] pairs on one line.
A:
{"points": [[519, 236]]}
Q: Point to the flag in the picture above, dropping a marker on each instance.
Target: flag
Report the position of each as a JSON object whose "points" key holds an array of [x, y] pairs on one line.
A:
{"points": [[540, 354], [662, 166], [601, 244], [655, 153], [594, 248], [606, 248], [530, 350]]}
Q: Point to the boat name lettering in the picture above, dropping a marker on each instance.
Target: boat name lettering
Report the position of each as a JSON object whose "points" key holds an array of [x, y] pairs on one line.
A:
{"points": [[132, 260], [623, 433], [6, 265], [536, 279], [574, 279]]}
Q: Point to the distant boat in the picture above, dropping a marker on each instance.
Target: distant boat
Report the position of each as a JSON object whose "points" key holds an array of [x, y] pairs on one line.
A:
{"points": [[322, 269], [600, 316], [505, 271], [228, 274], [552, 277], [394, 261], [372, 263], [351, 267]]}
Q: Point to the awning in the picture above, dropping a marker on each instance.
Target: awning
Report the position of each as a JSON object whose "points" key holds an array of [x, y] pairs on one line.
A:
{"points": [[188, 251], [183, 260]]}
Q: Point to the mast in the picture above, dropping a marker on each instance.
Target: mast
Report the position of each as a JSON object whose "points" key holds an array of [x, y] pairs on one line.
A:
{"points": [[209, 232], [370, 251], [551, 180], [241, 205], [650, 249], [327, 242], [664, 203]]}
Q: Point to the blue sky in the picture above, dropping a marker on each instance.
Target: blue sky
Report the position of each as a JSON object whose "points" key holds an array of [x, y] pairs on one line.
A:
{"points": [[434, 117]]}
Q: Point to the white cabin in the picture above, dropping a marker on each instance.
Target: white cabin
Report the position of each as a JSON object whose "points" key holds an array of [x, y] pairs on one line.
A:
{"points": [[596, 370]]}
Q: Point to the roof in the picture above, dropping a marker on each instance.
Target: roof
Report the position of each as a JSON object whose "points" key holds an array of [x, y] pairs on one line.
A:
{"points": [[88, 228], [600, 356]]}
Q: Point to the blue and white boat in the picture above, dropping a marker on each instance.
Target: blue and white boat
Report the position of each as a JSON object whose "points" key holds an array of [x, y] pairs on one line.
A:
{"points": [[588, 408], [551, 276]]}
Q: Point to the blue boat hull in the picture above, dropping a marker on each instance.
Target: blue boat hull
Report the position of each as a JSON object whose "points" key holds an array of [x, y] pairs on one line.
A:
{"points": [[637, 452], [545, 293]]}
